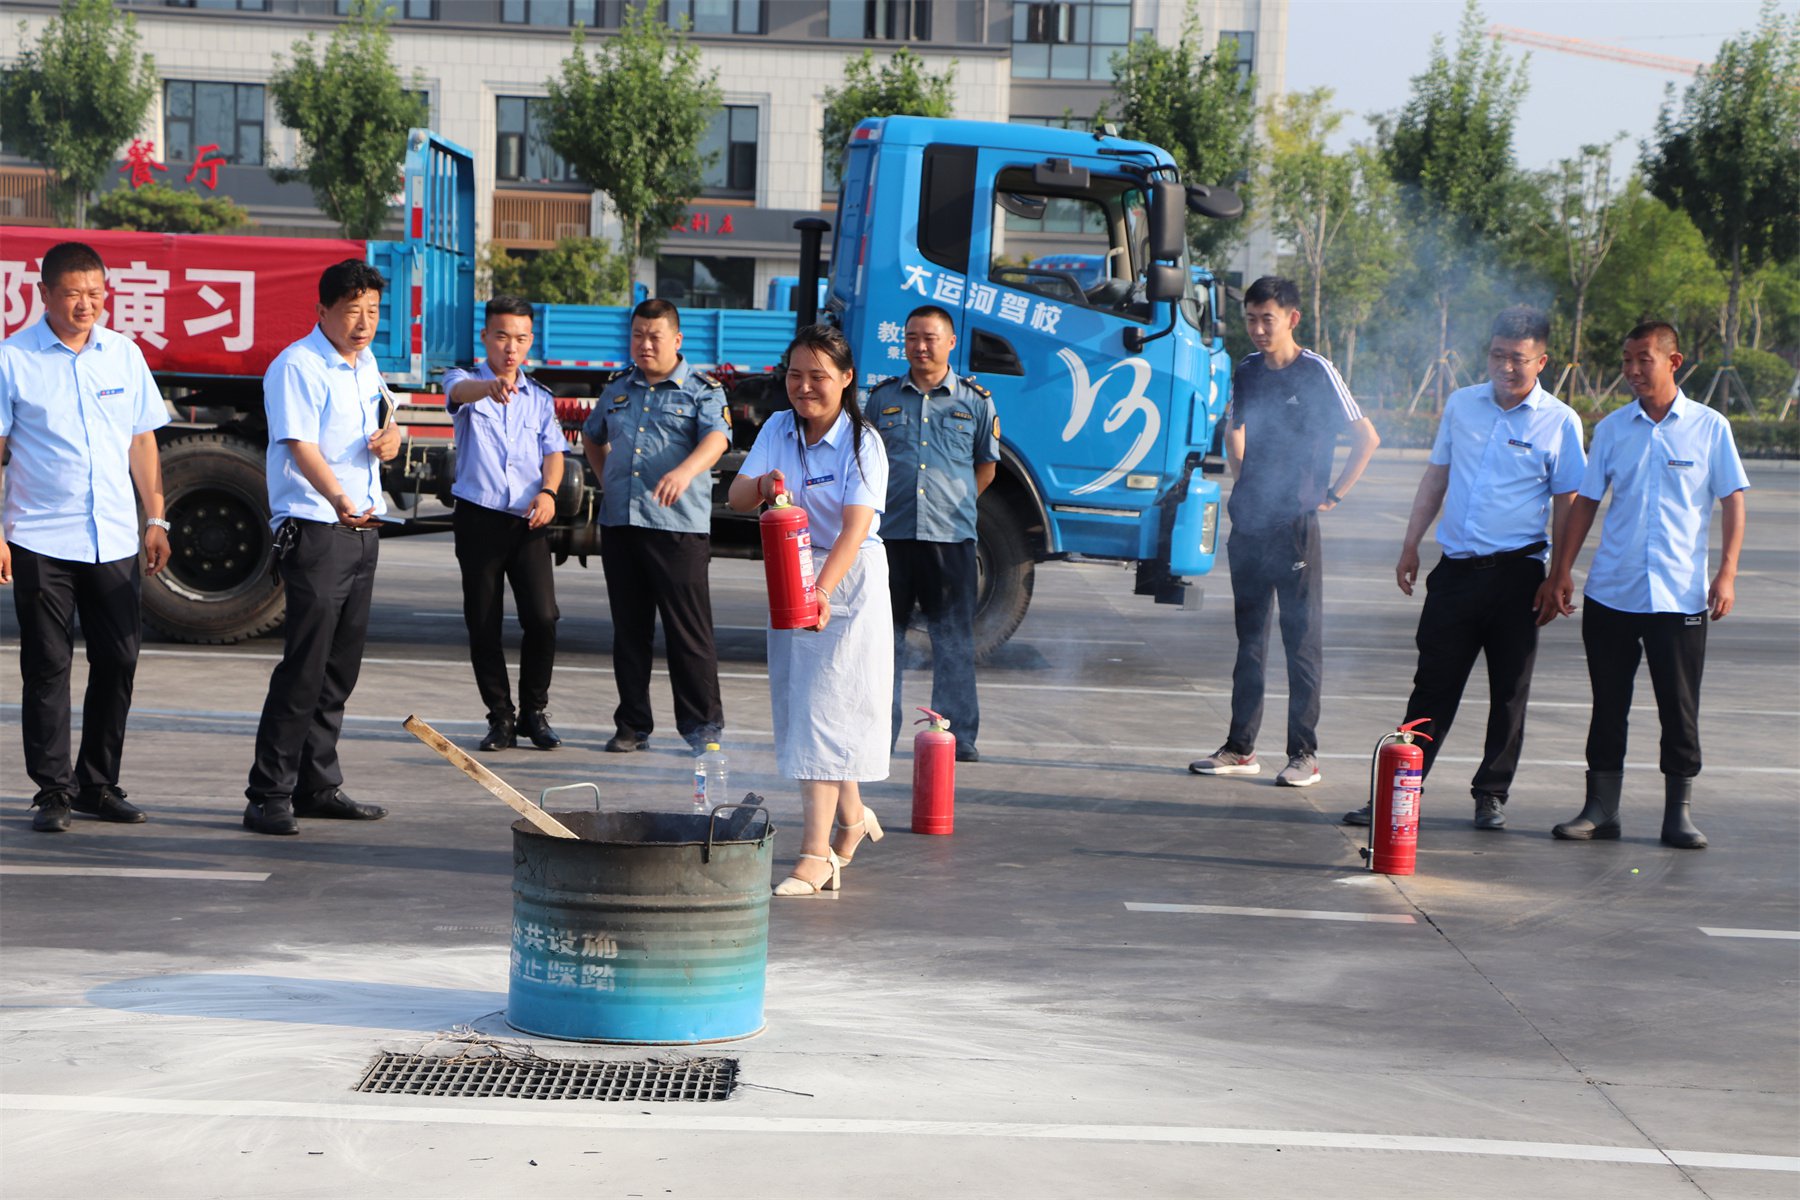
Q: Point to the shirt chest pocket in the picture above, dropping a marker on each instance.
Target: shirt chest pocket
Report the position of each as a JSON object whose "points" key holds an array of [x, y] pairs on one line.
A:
{"points": [[671, 418], [345, 426], [1519, 461], [1684, 477], [957, 435]]}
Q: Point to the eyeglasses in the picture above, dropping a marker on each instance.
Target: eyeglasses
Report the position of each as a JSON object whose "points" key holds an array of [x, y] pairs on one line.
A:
{"points": [[1516, 362]]}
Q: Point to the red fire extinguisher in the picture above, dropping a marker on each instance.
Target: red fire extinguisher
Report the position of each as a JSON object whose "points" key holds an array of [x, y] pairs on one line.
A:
{"points": [[934, 776], [788, 565], [1396, 775]]}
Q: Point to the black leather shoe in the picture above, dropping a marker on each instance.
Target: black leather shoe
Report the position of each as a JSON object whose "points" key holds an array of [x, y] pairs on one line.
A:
{"points": [[271, 816], [1358, 816], [107, 801], [500, 735], [333, 805], [536, 726], [625, 741], [967, 753], [1490, 812], [52, 815]]}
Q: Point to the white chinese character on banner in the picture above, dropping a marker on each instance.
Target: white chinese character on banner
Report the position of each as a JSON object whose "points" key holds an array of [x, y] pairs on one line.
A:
{"points": [[559, 941], [222, 317], [562, 974], [598, 945], [895, 352], [1012, 308], [515, 958], [532, 937], [140, 303], [1045, 316], [534, 969], [889, 331], [981, 297], [915, 279], [597, 976], [949, 289], [20, 301]]}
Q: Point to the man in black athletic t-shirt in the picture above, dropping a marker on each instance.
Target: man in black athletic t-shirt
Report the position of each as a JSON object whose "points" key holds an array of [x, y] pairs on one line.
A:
{"points": [[1288, 407]]}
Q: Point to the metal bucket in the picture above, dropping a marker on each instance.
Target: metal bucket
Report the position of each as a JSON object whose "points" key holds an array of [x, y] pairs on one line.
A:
{"points": [[651, 929]]}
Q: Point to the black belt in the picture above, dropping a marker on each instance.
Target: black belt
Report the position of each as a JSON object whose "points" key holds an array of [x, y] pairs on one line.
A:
{"points": [[1484, 561]]}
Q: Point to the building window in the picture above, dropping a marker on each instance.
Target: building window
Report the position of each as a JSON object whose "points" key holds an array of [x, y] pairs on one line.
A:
{"points": [[731, 139], [717, 16], [880, 20], [554, 14], [226, 5], [522, 152], [1246, 50], [1070, 40], [407, 10], [700, 281], [226, 115]]}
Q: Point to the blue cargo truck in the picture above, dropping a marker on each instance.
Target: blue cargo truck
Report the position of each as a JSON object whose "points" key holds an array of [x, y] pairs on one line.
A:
{"points": [[1110, 385]]}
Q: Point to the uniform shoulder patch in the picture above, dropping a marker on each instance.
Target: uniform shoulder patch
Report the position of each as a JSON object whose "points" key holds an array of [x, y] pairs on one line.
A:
{"points": [[725, 411], [969, 382], [707, 379]]}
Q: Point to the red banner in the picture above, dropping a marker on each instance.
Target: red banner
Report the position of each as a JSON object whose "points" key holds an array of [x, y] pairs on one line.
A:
{"points": [[196, 304]]}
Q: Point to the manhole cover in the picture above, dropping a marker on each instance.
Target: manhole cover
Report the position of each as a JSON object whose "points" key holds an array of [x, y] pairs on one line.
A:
{"points": [[548, 1078]]}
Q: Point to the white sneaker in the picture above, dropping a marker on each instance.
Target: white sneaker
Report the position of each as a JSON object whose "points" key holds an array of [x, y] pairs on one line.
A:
{"points": [[1225, 762], [1302, 771]]}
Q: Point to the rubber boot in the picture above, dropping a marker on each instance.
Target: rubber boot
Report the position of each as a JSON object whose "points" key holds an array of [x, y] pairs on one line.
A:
{"points": [[1677, 830], [1599, 817]]}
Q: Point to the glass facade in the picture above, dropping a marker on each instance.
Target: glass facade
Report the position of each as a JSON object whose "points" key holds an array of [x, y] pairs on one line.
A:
{"points": [[522, 151], [717, 16], [706, 281], [1098, 29], [228, 116], [880, 20], [409, 10], [552, 14], [731, 141]]}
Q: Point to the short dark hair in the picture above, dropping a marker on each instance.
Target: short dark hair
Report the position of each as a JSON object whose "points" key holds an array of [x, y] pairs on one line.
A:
{"points": [[506, 306], [352, 277], [931, 310], [68, 258], [1661, 331], [1522, 323], [1280, 289], [657, 309]]}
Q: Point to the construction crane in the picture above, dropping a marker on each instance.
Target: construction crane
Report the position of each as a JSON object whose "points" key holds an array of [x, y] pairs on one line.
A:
{"points": [[1601, 50]]}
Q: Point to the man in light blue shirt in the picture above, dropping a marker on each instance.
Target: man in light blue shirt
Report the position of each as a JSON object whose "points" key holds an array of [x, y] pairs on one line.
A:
{"points": [[1505, 464], [509, 463], [1666, 460], [330, 429], [653, 439], [78, 410]]}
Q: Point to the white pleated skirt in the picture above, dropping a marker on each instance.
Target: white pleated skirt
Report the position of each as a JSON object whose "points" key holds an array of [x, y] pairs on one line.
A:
{"points": [[831, 693]]}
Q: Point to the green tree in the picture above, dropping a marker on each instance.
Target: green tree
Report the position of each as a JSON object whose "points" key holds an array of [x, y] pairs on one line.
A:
{"points": [[574, 271], [1449, 149], [900, 87], [1659, 267], [159, 208], [73, 99], [1730, 157], [1583, 227], [1198, 108], [628, 120], [1363, 260], [1308, 190], [352, 112]]}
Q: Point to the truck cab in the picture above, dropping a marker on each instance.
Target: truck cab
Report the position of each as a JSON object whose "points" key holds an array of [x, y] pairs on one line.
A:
{"points": [[1105, 390]]}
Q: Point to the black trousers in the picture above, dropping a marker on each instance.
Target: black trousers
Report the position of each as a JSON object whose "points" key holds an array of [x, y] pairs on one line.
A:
{"points": [[1675, 644], [939, 579], [1473, 611], [495, 548], [1269, 565], [330, 577], [652, 572], [48, 594]]}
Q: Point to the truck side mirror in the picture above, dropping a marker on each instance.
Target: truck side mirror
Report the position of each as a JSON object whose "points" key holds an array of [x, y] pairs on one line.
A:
{"points": [[1168, 223], [1164, 281], [1213, 201]]}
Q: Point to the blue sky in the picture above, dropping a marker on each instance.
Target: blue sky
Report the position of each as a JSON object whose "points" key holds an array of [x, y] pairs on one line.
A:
{"points": [[1368, 50]]}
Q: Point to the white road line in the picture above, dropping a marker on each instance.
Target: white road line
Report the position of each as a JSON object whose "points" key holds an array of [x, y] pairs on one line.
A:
{"points": [[1788, 935], [139, 873], [475, 1112], [1301, 914]]}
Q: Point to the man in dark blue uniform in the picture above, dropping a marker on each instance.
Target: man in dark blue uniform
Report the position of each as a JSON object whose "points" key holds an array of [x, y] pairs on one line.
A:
{"points": [[943, 444], [652, 439], [1288, 406]]}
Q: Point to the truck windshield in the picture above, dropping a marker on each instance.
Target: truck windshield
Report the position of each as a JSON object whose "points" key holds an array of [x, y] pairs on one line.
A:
{"points": [[1087, 247]]}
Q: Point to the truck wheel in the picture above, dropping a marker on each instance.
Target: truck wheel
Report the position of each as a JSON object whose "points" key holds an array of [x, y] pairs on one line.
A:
{"points": [[220, 585], [1005, 572]]}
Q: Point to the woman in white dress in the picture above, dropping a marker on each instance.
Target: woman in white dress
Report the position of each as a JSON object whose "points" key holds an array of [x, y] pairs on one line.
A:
{"points": [[830, 686]]}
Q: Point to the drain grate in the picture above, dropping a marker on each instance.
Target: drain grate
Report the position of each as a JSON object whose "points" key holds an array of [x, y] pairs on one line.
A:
{"points": [[549, 1078]]}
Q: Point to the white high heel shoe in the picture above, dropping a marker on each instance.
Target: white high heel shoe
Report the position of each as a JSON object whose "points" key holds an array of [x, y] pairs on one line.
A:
{"points": [[871, 828], [793, 885]]}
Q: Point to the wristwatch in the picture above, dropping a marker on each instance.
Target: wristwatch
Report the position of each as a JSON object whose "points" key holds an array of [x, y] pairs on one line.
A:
{"points": [[159, 523]]}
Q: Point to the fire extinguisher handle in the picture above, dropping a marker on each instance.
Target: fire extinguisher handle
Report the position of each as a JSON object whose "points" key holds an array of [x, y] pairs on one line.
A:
{"points": [[931, 716], [1412, 727]]}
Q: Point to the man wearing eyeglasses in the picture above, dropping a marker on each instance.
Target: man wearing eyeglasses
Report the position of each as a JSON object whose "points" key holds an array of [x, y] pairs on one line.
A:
{"points": [[1507, 460], [943, 445]]}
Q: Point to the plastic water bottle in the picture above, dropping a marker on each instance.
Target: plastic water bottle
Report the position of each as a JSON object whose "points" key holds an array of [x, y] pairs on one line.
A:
{"points": [[709, 778]]}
